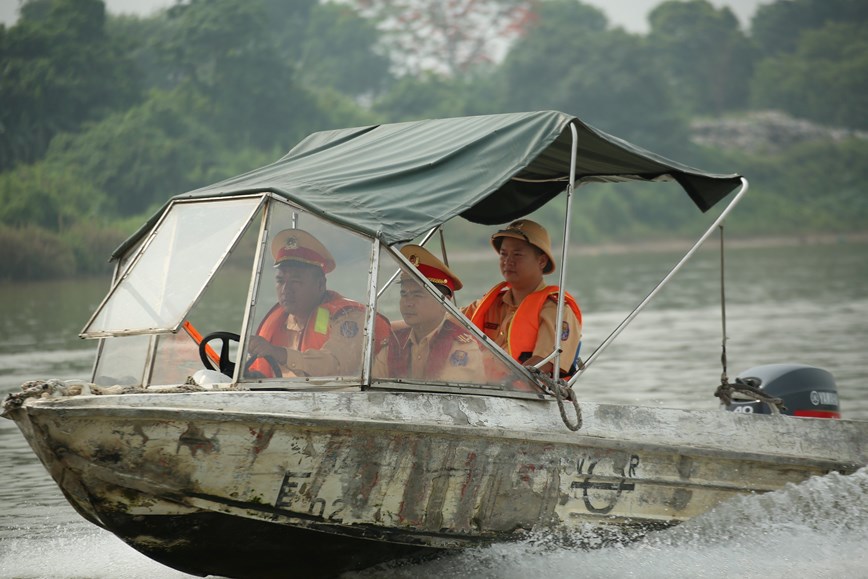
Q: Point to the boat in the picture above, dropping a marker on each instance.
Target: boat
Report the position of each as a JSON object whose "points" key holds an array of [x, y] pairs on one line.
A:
{"points": [[175, 445]]}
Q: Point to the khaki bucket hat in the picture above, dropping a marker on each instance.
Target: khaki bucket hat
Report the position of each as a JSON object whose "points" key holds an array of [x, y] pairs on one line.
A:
{"points": [[529, 231]]}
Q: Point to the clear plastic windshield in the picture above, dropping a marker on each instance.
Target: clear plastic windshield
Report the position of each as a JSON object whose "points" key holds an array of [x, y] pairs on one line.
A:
{"points": [[171, 358], [308, 322], [160, 287]]}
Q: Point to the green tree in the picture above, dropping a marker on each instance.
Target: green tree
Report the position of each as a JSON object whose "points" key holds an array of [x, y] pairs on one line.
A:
{"points": [[261, 65], [340, 52], [705, 56], [50, 195], [808, 188], [569, 60], [141, 157], [430, 95], [58, 70], [287, 24], [825, 79], [776, 27], [141, 39], [219, 48]]}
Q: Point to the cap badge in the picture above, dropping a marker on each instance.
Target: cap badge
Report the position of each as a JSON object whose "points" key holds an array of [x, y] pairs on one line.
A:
{"points": [[291, 243], [414, 259]]}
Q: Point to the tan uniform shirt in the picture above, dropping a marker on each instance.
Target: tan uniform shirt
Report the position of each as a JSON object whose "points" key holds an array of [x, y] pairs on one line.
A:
{"points": [[341, 355], [499, 319], [463, 362]]}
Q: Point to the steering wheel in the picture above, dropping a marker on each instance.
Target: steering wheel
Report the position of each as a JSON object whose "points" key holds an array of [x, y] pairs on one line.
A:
{"points": [[272, 363], [226, 366]]}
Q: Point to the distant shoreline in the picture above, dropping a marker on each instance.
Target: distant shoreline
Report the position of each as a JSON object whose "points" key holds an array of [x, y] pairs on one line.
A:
{"points": [[675, 245]]}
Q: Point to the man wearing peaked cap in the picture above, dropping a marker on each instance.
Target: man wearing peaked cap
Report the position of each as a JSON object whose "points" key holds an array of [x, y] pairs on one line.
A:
{"points": [[520, 313], [311, 331], [432, 347], [300, 246], [432, 268]]}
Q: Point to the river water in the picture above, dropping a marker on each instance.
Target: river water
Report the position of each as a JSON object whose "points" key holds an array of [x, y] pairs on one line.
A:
{"points": [[797, 303]]}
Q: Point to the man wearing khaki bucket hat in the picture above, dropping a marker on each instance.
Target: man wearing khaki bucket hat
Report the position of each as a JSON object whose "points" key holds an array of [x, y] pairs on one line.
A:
{"points": [[520, 313]]}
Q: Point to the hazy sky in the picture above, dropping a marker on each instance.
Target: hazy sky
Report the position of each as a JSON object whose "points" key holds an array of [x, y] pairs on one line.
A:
{"points": [[630, 14]]}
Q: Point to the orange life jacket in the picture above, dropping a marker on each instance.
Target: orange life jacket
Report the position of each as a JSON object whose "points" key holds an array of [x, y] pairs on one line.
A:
{"points": [[521, 338], [441, 345], [315, 331]]}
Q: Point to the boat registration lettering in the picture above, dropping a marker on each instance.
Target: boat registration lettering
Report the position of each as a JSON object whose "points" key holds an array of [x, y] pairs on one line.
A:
{"points": [[288, 493], [291, 498]]}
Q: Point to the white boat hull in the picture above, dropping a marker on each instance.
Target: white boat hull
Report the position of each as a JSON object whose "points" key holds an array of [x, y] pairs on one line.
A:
{"points": [[330, 481]]}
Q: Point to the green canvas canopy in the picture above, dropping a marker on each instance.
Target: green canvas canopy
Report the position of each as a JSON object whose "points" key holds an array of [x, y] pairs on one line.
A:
{"points": [[397, 181]]}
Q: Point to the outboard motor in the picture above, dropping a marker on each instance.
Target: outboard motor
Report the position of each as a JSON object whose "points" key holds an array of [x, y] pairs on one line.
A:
{"points": [[805, 390]]}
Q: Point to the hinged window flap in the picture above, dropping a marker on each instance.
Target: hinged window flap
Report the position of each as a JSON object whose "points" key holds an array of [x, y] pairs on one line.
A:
{"points": [[158, 290]]}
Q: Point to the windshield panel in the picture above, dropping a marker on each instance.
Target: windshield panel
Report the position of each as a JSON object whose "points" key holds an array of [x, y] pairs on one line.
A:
{"points": [[122, 361], [161, 286]]}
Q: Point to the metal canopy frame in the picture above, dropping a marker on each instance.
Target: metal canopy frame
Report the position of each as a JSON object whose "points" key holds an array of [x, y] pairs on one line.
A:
{"points": [[717, 223], [555, 355]]}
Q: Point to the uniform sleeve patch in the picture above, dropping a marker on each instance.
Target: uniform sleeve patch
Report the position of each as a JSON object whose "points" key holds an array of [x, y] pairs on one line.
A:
{"points": [[349, 329], [565, 331], [458, 358]]}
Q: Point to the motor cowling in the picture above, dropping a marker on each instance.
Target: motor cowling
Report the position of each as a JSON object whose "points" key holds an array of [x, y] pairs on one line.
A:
{"points": [[806, 391]]}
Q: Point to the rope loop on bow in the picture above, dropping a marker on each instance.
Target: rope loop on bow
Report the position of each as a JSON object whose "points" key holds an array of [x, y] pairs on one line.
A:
{"points": [[561, 391]]}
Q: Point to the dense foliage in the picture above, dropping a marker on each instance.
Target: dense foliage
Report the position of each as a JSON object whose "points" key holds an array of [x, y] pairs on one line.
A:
{"points": [[103, 118]]}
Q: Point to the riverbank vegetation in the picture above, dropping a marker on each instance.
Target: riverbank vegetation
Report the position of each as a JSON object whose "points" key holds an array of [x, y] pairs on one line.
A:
{"points": [[103, 118]]}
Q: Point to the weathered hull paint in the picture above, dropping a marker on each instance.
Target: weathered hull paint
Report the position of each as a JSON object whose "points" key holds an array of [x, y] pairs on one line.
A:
{"points": [[365, 477]]}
